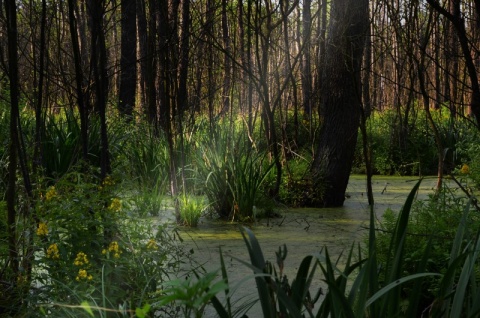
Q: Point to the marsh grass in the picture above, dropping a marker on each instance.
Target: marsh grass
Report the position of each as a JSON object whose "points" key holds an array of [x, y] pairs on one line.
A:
{"points": [[233, 171], [191, 209]]}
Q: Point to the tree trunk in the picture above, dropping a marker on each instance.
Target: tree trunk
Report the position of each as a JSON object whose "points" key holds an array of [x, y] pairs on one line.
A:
{"points": [[128, 63], [340, 99], [13, 253], [142, 50], [100, 76], [306, 60], [81, 100], [226, 60], [459, 25]]}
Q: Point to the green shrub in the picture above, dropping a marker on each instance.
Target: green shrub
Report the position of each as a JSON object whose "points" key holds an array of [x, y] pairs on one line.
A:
{"points": [[432, 224], [90, 249], [468, 154], [405, 148]]}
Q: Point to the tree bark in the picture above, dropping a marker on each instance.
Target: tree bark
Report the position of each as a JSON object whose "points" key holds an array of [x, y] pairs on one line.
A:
{"points": [[100, 76], [340, 103], [81, 100], [128, 63], [11, 19], [306, 60]]}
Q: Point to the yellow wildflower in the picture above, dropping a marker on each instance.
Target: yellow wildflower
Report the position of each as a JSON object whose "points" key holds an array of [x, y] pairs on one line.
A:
{"points": [[83, 275], [465, 169], [51, 193], [114, 248], [108, 181], [81, 259], [115, 205], [42, 229], [152, 245], [52, 251]]}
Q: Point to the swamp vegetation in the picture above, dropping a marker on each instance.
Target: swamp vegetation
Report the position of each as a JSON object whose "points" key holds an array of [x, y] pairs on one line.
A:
{"points": [[117, 248], [129, 127]]}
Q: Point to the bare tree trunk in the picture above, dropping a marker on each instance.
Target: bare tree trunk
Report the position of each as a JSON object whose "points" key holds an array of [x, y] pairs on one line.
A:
{"points": [[340, 99], [99, 69], [13, 253], [151, 62], [306, 60], [182, 98], [365, 112], [142, 50], [128, 63], [459, 25], [226, 60], [426, 101], [81, 101]]}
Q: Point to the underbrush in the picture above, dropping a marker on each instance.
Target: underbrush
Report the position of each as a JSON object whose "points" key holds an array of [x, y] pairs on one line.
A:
{"points": [[89, 247]]}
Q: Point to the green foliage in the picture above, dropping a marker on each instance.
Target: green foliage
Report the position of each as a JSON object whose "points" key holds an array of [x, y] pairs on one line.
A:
{"points": [[144, 162], [90, 249], [401, 147], [191, 209], [429, 228], [468, 153], [192, 295], [298, 188], [233, 172]]}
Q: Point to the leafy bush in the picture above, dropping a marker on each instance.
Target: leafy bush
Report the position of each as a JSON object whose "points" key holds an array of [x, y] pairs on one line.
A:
{"points": [[468, 154], [429, 226], [406, 148], [89, 249]]}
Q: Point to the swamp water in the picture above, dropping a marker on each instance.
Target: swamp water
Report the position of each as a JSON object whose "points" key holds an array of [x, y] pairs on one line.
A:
{"points": [[304, 231]]}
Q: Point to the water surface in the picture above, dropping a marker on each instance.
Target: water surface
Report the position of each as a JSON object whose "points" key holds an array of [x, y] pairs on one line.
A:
{"points": [[304, 231]]}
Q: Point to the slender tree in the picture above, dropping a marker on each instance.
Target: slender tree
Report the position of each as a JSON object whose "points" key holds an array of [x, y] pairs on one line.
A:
{"points": [[128, 63], [80, 94], [98, 60]]}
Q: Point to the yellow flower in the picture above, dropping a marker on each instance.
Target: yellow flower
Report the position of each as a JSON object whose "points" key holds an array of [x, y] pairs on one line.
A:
{"points": [[81, 259], [114, 248], [465, 169], [108, 181], [152, 245], [83, 275], [115, 205], [52, 251], [51, 193], [42, 229]]}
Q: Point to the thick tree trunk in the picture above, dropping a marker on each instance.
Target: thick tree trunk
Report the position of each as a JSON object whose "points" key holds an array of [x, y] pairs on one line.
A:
{"points": [[340, 99]]}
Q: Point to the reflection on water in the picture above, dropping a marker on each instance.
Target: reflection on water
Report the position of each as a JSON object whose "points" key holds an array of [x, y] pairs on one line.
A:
{"points": [[304, 230]]}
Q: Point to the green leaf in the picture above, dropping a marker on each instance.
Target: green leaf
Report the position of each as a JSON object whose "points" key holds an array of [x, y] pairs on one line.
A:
{"points": [[395, 284], [142, 312], [86, 306]]}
